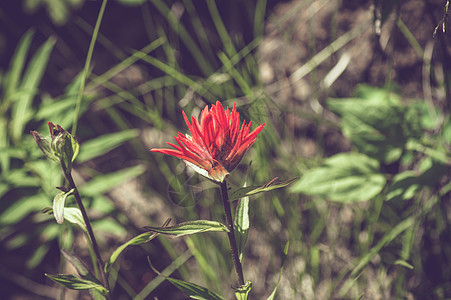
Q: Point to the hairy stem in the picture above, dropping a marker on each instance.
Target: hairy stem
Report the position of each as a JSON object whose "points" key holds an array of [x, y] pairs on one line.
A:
{"points": [[231, 233]]}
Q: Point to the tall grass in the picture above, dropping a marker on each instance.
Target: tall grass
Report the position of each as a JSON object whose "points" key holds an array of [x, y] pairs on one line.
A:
{"points": [[377, 247]]}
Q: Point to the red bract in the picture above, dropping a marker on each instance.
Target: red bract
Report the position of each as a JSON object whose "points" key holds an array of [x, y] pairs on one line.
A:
{"points": [[216, 144]]}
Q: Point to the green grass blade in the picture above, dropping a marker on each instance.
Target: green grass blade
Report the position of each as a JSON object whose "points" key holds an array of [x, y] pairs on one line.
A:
{"points": [[184, 35], [17, 63], [388, 237], [105, 143], [86, 68], [222, 31], [22, 107], [4, 144], [104, 183]]}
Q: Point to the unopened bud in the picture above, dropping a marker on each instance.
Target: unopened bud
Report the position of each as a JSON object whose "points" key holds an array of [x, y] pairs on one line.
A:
{"points": [[62, 148]]}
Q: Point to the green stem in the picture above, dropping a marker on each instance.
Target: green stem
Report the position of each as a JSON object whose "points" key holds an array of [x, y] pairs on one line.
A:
{"points": [[95, 247], [231, 233]]}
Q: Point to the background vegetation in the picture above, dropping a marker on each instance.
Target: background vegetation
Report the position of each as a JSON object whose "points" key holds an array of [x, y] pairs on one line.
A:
{"points": [[356, 99]]}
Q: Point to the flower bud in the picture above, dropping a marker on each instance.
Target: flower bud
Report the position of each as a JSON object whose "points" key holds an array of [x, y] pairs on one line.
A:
{"points": [[62, 148]]}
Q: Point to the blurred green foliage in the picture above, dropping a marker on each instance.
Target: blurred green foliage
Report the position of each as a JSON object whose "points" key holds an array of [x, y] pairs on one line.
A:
{"points": [[372, 221]]}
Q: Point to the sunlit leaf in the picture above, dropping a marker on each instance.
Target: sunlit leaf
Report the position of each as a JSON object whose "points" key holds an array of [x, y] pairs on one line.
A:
{"points": [[345, 177], [104, 183], [20, 208], [190, 227], [58, 205], [403, 263], [252, 190], [104, 143], [74, 283], [377, 123], [22, 108], [241, 226], [137, 240], [17, 63], [403, 186]]}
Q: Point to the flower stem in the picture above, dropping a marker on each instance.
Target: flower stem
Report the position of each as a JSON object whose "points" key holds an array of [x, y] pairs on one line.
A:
{"points": [[95, 247], [231, 233]]}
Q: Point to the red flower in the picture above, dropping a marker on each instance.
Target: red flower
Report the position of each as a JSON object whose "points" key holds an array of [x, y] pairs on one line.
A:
{"points": [[216, 145]]}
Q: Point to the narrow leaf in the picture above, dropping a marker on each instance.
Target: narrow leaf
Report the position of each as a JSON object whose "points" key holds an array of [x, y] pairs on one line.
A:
{"points": [[285, 253], [104, 183], [17, 64], [403, 263], [84, 272], [22, 112], [241, 224], [4, 144], [137, 240], [194, 291], [252, 190], [190, 227], [74, 283], [388, 237], [79, 265], [58, 205], [105, 143]]}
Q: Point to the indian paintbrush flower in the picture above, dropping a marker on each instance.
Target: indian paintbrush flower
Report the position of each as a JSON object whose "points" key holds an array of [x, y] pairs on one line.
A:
{"points": [[62, 147], [216, 144]]}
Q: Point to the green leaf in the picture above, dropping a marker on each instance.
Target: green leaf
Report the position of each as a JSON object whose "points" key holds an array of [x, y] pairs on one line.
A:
{"points": [[79, 265], [74, 216], [104, 183], [252, 190], [285, 253], [58, 205], [17, 64], [71, 214], [387, 238], [345, 177], [19, 178], [83, 271], [404, 186], [4, 144], [48, 110], [74, 146], [194, 291], [22, 112], [137, 240], [403, 263], [241, 224], [105, 143], [190, 227], [74, 283], [377, 123], [20, 208], [38, 256], [242, 293]]}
